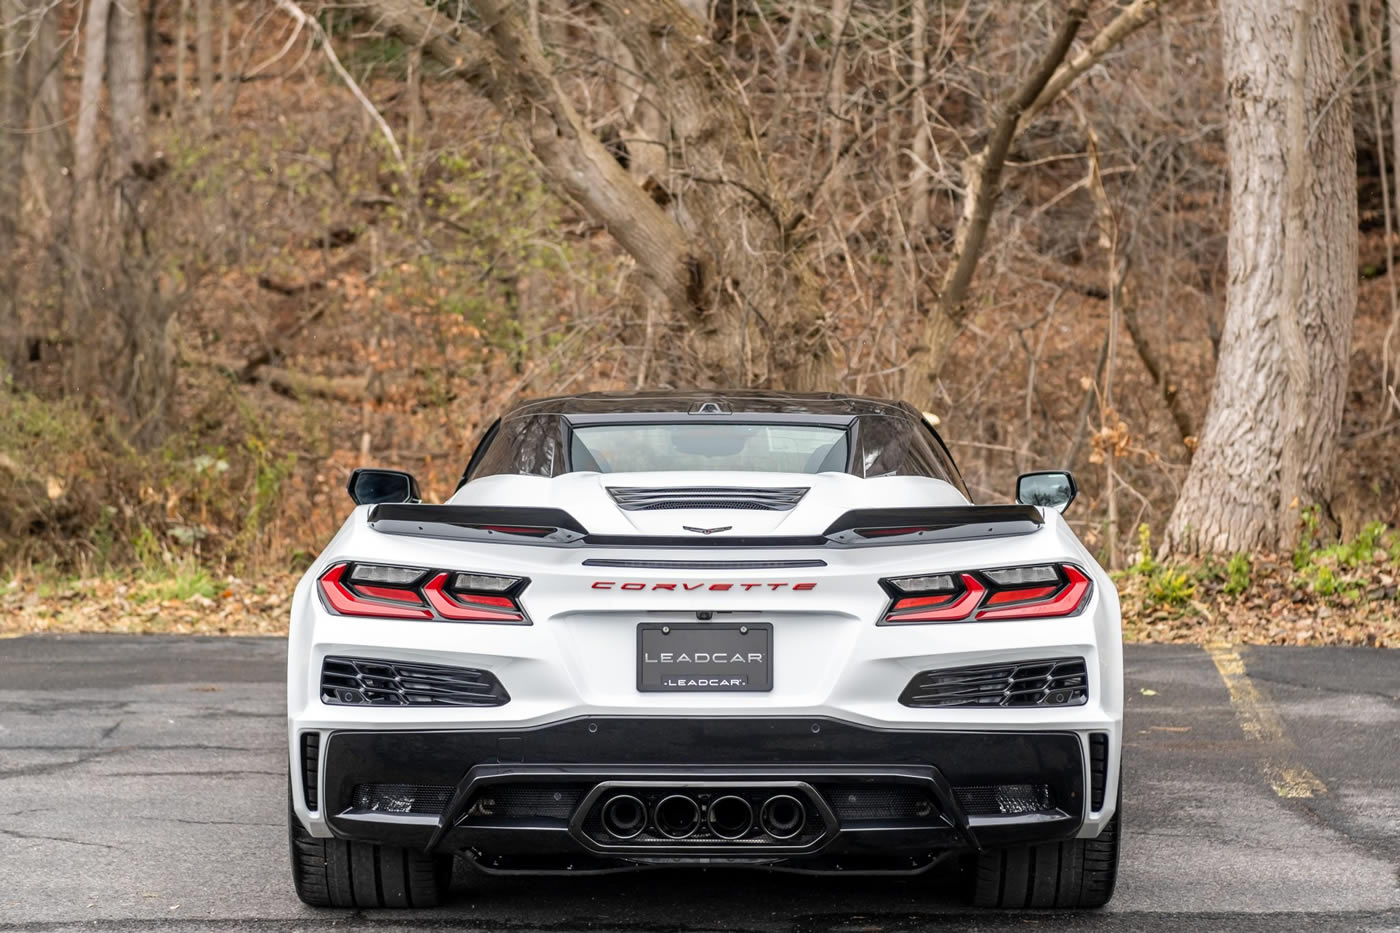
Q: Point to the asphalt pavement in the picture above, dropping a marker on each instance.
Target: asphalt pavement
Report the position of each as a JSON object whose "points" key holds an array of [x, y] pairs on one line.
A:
{"points": [[142, 783]]}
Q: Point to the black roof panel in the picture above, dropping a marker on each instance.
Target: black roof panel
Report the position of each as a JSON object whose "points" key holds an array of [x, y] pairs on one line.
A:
{"points": [[737, 401]]}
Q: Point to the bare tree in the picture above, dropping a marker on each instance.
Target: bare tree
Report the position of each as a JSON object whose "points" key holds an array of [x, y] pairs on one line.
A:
{"points": [[14, 111], [1231, 498], [1054, 71], [714, 236]]}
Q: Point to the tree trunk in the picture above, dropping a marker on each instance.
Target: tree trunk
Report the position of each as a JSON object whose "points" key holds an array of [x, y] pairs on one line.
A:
{"points": [[50, 150], [920, 182], [14, 117], [1392, 10], [86, 154], [1230, 500], [1297, 366], [142, 369], [204, 56]]}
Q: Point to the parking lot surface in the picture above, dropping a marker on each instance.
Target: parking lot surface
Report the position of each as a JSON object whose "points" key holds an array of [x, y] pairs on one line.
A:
{"points": [[142, 787]]}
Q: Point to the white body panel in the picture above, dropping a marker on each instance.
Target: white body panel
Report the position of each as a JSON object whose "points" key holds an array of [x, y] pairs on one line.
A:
{"points": [[831, 659]]}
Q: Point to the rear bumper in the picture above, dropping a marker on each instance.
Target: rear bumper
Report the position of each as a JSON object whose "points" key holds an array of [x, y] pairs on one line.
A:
{"points": [[529, 799]]}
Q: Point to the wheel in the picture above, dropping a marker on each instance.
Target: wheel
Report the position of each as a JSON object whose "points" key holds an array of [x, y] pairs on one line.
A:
{"points": [[1078, 873], [340, 873]]}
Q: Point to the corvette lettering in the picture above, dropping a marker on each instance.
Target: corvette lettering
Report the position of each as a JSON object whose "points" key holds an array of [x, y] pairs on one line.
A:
{"points": [[690, 587]]}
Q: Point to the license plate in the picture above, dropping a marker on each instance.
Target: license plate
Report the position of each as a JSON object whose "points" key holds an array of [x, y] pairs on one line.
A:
{"points": [[702, 657]]}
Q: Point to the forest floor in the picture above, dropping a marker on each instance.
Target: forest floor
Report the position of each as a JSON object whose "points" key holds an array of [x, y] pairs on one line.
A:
{"points": [[1342, 595]]}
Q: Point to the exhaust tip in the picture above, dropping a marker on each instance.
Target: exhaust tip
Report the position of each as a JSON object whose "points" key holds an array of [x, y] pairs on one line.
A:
{"points": [[624, 816], [730, 817], [677, 816], [782, 816]]}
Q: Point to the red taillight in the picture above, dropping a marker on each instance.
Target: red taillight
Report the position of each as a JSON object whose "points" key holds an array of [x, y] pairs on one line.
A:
{"points": [[1062, 601], [348, 602], [946, 608], [398, 593], [460, 606], [1015, 593]]}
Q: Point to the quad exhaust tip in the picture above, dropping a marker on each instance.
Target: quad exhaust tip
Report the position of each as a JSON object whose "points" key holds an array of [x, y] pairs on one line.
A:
{"points": [[730, 817], [677, 816], [782, 816], [624, 816]]}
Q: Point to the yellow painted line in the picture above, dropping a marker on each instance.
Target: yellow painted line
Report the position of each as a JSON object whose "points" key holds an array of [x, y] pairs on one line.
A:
{"points": [[1260, 722]]}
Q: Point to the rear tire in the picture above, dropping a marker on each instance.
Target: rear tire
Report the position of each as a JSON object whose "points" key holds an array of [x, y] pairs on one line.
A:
{"points": [[1080, 873], [341, 873]]}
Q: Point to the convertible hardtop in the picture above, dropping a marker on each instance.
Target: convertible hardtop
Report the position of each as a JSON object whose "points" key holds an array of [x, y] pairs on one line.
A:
{"points": [[883, 437]]}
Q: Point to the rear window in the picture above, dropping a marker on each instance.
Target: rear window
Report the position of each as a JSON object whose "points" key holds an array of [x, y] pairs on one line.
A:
{"points": [[767, 448]]}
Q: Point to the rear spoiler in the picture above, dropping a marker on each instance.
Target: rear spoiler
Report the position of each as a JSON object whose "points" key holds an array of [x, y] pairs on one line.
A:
{"points": [[505, 523], [857, 528]]}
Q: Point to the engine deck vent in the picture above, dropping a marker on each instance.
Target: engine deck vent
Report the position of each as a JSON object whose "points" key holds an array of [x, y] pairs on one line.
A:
{"points": [[361, 681], [1051, 682], [648, 498]]}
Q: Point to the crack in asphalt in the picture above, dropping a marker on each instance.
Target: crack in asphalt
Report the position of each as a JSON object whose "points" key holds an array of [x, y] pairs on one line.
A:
{"points": [[54, 767], [73, 842], [1324, 688], [178, 819]]}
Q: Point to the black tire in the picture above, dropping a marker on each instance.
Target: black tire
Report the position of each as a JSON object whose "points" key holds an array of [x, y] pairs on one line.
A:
{"points": [[339, 873], [1080, 873]]}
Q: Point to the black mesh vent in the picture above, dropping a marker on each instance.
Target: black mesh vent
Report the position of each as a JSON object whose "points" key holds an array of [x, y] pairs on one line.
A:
{"points": [[1005, 799], [310, 768], [402, 798], [359, 681], [1054, 682], [646, 499], [526, 802], [854, 803], [1098, 768]]}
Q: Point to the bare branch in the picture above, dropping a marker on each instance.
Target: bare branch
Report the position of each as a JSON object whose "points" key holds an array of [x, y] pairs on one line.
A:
{"points": [[305, 21]]}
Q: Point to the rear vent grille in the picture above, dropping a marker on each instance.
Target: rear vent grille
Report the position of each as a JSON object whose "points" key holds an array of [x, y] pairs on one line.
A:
{"points": [[402, 798], [310, 768], [854, 803], [517, 802], [1053, 682], [359, 681], [1098, 768], [1005, 799], [647, 499]]}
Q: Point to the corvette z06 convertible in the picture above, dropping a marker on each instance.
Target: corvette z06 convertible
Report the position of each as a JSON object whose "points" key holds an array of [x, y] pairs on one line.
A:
{"points": [[738, 629]]}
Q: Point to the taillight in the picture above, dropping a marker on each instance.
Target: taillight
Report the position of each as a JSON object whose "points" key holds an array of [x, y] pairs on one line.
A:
{"points": [[1035, 592], [385, 592]]}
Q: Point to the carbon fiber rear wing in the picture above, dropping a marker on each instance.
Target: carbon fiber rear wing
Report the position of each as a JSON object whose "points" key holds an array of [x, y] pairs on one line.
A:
{"points": [[556, 527]]}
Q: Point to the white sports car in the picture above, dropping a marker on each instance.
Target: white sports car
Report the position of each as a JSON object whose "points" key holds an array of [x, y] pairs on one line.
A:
{"points": [[714, 629]]}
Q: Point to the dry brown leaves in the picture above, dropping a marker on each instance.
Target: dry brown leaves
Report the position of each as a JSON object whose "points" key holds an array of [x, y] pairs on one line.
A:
{"points": [[237, 607]]}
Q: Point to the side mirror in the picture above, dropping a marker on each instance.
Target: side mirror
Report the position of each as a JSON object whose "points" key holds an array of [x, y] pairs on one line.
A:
{"points": [[371, 487], [1054, 489]]}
